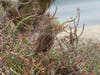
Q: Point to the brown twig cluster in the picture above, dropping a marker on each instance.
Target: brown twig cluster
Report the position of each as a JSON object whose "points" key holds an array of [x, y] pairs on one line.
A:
{"points": [[29, 45]]}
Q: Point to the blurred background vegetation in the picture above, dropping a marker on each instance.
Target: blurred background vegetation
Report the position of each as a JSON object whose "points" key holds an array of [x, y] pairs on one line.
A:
{"points": [[32, 44]]}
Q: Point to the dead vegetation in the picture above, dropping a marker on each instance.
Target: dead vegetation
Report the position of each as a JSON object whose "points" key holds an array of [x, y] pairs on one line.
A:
{"points": [[29, 46]]}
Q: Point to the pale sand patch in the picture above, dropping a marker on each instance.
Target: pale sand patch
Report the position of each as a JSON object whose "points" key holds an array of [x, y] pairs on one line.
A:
{"points": [[90, 32]]}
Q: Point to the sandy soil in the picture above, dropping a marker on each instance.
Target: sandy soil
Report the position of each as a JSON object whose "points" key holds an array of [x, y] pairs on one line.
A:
{"points": [[90, 32]]}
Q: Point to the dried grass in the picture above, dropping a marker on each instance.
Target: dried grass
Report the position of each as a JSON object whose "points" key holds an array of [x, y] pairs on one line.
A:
{"points": [[29, 46]]}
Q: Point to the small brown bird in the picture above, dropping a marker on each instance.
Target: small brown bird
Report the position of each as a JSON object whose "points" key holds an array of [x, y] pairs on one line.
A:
{"points": [[45, 38], [44, 42]]}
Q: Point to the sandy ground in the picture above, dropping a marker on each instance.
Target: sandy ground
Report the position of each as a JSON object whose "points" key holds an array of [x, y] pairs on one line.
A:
{"points": [[90, 32]]}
